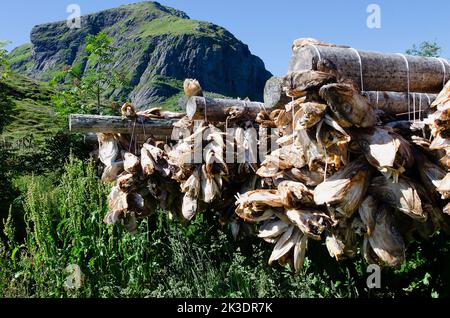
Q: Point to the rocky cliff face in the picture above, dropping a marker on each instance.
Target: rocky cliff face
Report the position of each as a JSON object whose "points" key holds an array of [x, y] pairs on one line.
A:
{"points": [[157, 48]]}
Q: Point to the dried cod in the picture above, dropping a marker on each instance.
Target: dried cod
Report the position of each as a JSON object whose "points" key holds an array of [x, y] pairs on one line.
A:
{"points": [[349, 105], [403, 196], [382, 235], [346, 189]]}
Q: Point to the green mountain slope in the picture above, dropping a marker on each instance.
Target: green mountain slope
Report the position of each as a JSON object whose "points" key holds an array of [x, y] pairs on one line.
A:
{"points": [[157, 48], [27, 110]]}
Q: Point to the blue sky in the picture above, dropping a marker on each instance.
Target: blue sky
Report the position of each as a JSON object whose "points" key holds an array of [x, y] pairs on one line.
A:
{"points": [[269, 27]]}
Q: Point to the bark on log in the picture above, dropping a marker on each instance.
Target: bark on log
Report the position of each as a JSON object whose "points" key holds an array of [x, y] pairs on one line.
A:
{"points": [[274, 96], [217, 109], [394, 103], [381, 72], [118, 125]]}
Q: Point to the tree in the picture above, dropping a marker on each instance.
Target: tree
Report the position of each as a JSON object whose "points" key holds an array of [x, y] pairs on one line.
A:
{"points": [[97, 79], [4, 65], [426, 48], [83, 90]]}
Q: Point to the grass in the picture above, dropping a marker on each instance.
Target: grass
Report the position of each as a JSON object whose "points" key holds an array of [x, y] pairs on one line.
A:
{"points": [[63, 227], [31, 112], [63, 217]]}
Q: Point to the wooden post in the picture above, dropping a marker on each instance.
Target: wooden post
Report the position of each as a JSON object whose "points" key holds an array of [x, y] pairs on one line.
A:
{"points": [[380, 72], [216, 109], [118, 125]]}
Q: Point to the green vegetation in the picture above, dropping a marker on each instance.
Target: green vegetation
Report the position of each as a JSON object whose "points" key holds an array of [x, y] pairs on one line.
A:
{"points": [[29, 111], [4, 65], [426, 48], [20, 57], [83, 91]]}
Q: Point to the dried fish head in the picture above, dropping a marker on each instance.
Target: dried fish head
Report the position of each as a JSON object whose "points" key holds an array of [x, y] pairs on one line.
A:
{"points": [[131, 163], [189, 207], [112, 172], [348, 103], [108, 149], [310, 222], [127, 182], [387, 151], [272, 229], [346, 189], [383, 236], [192, 186], [295, 194], [297, 84], [403, 196], [210, 188], [444, 96], [309, 115]]}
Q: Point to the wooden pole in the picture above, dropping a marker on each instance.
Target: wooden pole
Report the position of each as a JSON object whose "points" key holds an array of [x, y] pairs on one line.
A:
{"points": [[119, 125], [217, 109], [380, 72], [394, 103]]}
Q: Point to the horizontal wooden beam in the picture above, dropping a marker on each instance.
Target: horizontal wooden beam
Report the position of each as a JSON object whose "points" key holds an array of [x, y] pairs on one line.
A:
{"points": [[216, 109], [119, 125]]}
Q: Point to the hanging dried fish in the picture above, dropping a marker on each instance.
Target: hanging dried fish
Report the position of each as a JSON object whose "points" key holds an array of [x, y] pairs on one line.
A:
{"points": [[309, 115], [403, 196], [297, 84], [382, 235], [112, 172], [272, 229], [346, 189], [295, 194], [347, 102], [342, 241], [310, 222], [387, 151], [131, 163]]}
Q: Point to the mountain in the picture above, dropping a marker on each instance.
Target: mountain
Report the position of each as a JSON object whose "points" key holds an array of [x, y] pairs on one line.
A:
{"points": [[157, 48]]}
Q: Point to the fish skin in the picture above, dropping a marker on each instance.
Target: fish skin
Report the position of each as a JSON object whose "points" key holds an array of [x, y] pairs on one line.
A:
{"points": [[348, 103], [346, 189], [403, 196]]}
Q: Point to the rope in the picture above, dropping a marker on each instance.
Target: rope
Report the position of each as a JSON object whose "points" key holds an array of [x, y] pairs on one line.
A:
{"points": [[429, 100], [360, 67], [206, 111], [318, 52], [132, 136], [143, 128], [378, 99], [414, 106], [420, 107], [409, 84], [444, 70]]}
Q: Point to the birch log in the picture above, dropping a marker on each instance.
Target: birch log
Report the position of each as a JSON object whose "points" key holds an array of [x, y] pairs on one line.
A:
{"points": [[215, 109], [119, 125], [274, 96], [395, 103], [380, 72], [392, 103]]}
